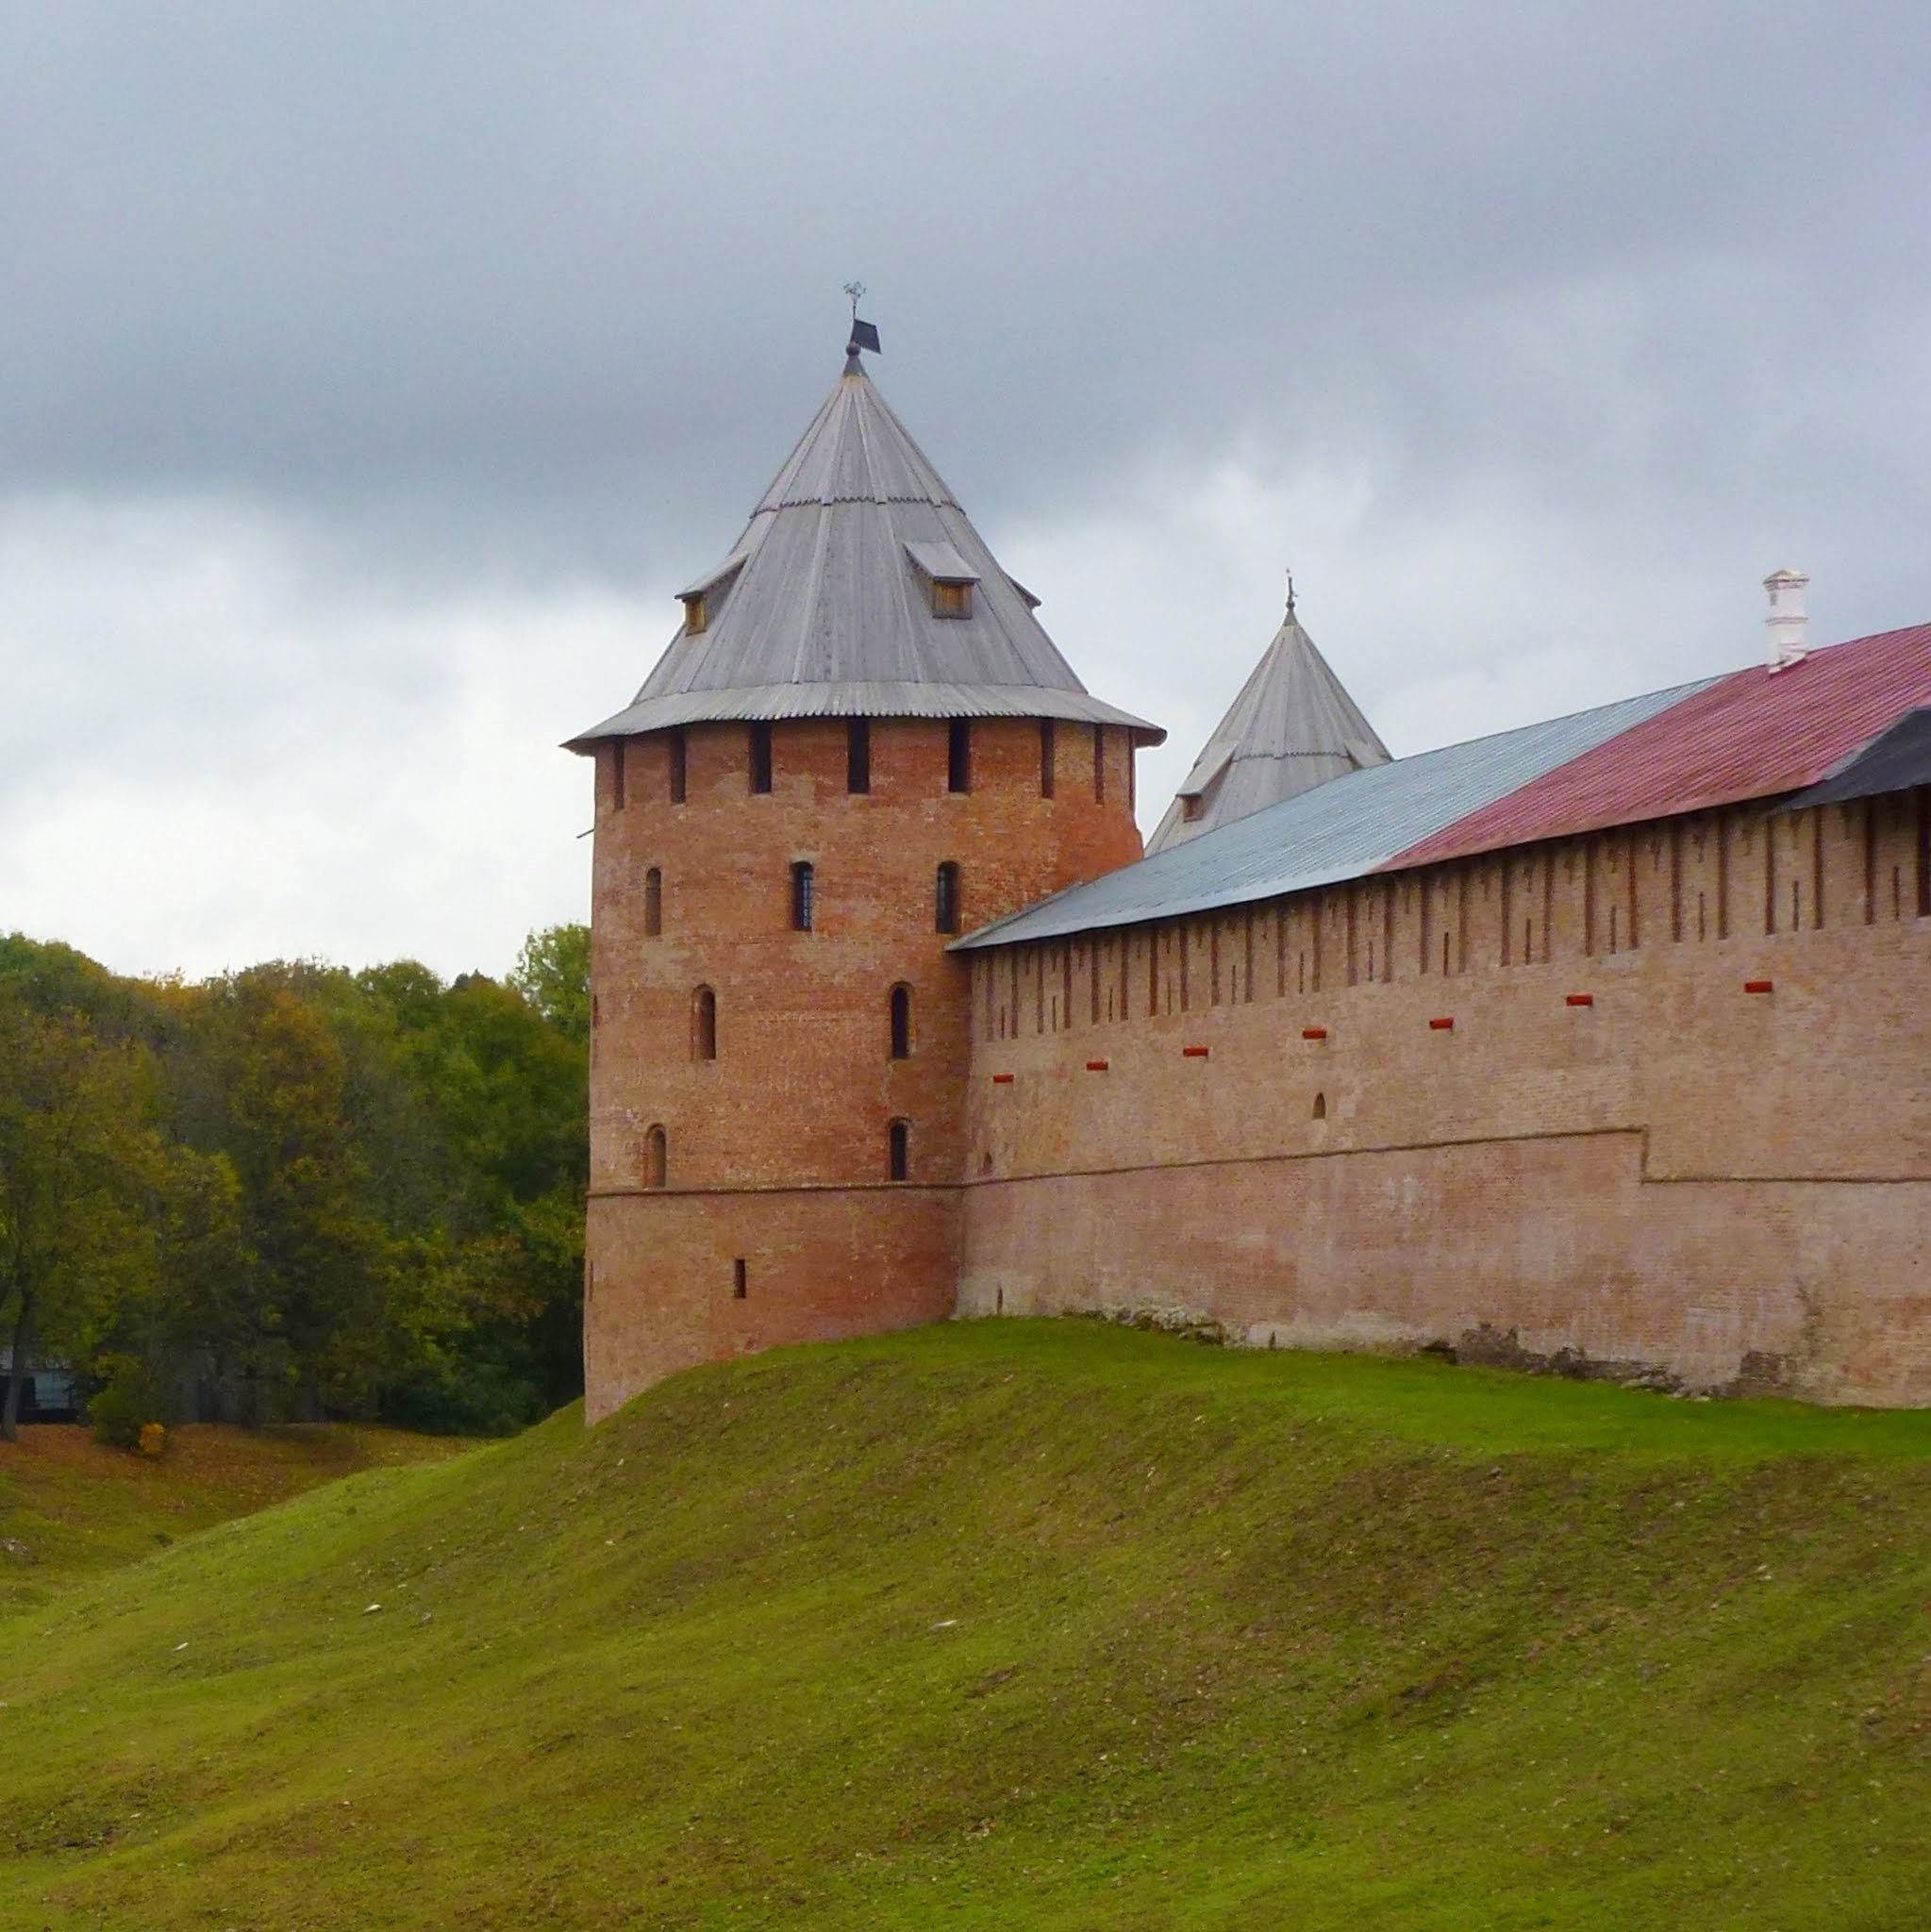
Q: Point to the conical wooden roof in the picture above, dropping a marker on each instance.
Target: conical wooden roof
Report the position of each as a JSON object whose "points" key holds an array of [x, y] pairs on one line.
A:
{"points": [[1293, 727], [824, 606]]}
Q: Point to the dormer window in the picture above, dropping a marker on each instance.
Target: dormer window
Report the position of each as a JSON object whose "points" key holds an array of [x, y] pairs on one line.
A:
{"points": [[948, 578], [1191, 805], [701, 600]]}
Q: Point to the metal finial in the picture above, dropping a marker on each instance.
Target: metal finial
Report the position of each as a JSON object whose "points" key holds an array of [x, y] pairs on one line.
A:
{"points": [[1291, 594], [864, 336]]}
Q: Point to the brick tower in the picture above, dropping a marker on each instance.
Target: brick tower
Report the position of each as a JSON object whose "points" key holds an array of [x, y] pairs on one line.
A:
{"points": [[860, 744]]}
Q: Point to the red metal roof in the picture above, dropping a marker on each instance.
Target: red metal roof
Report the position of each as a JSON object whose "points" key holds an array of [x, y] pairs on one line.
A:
{"points": [[1751, 734]]}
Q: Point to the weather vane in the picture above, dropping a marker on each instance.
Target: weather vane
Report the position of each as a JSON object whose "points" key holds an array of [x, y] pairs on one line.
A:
{"points": [[864, 336], [1291, 594]]}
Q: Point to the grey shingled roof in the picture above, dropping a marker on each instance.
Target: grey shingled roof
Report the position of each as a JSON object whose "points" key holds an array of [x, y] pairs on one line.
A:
{"points": [[821, 610], [1293, 727], [1341, 830]]}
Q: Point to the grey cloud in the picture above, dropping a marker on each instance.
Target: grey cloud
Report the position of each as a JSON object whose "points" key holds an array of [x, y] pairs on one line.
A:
{"points": [[577, 267]]}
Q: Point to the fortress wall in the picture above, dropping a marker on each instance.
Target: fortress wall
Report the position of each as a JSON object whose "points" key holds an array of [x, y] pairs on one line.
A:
{"points": [[1681, 1175]]}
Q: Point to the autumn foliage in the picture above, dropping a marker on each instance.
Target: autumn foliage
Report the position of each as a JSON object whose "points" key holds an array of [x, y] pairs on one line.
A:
{"points": [[296, 1191]]}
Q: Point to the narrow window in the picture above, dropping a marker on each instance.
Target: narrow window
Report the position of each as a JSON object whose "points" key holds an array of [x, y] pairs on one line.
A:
{"points": [[951, 600], [704, 1025], [1191, 805], [803, 889], [898, 1149], [1924, 853], [741, 1279], [653, 903], [679, 767], [617, 776], [760, 758], [1046, 751], [857, 754], [697, 612], [656, 1158], [1099, 764], [901, 1022], [946, 905], [958, 755], [1321, 1106]]}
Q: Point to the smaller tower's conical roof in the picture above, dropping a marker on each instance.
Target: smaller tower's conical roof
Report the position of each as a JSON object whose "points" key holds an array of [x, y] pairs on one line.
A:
{"points": [[1293, 727]]}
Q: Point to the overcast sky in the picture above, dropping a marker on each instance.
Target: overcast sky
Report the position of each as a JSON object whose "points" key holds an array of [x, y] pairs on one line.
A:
{"points": [[371, 375]]}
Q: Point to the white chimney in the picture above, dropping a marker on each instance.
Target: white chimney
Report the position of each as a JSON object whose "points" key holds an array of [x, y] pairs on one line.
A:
{"points": [[1787, 621]]}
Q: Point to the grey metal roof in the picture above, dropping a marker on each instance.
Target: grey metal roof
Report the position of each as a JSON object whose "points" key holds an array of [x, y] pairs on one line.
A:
{"points": [[1894, 760], [820, 611], [1293, 726], [1341, 830]]}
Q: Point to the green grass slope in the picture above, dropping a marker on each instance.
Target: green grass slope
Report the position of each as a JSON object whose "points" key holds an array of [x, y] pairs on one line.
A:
{"points": [[1020, 1625], [72, 1507]]}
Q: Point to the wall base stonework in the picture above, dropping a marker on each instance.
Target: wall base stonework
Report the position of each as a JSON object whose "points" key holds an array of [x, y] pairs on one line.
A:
{"points": [[1560, 1245]]}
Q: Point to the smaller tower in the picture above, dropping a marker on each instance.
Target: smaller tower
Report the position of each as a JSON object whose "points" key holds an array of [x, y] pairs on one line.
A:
{"points": [[1293, 727]]}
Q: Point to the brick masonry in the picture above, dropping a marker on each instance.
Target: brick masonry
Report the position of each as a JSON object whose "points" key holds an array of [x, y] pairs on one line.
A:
{"points": [[1615, 1155], [777, 1150], [1720, 1186]]}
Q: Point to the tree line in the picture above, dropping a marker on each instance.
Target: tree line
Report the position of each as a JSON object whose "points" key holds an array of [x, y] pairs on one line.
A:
{"points": [[296, 1191]]}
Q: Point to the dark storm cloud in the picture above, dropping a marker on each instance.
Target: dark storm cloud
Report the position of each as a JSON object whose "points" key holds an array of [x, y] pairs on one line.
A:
{"points": [[548, 282]]}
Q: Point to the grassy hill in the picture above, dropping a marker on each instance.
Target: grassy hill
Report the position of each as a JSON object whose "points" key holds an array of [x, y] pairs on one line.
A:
{"points": [[1020, 1625], [72, 1507]]}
